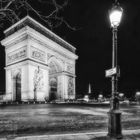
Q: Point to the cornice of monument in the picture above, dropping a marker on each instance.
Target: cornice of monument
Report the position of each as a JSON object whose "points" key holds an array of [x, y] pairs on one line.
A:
{"points": [[26, 62], [41, 39], [28, 21], [17, 37], [30, 33]]}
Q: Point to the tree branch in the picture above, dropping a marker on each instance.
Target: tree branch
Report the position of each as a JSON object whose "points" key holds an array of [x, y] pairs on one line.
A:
{"points": [[8, 4], [10, 10]]}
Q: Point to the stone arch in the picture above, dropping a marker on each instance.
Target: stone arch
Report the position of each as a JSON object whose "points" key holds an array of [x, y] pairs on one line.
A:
{"points": [[17, 87], [55, 64], [55, 68]]}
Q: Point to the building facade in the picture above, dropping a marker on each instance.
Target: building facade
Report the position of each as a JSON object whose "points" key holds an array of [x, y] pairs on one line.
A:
{"points": [[39, 65]]}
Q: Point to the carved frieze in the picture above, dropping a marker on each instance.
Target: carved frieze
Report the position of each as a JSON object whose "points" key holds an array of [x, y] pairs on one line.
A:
{"points": [[70, 87], [70, 68], [17, 55], [59, 90], [38, 79], [38, 54]]}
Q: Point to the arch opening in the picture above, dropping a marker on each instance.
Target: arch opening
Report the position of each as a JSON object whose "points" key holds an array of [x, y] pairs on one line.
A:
{"points": [[17, 87], [54, 71]]}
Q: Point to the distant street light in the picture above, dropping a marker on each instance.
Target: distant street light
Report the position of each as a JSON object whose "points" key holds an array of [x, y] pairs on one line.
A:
{"points": [[89, 89], [121, 95], [138, 97], [114, 114]]}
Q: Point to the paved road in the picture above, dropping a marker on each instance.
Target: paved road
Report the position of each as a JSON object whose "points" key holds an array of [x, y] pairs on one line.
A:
{"points": [[52, 109], [57, 108], [52, 118]]}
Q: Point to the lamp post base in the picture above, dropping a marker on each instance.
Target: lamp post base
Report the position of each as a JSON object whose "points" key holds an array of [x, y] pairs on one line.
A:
{"points": [[114, 124]]}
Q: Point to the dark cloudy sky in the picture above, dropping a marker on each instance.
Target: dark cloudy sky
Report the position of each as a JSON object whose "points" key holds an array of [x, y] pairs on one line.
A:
{"points": [[93, 40]]}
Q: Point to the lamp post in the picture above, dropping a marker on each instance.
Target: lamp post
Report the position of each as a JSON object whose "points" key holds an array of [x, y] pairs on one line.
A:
{"points": [[114, 114]]}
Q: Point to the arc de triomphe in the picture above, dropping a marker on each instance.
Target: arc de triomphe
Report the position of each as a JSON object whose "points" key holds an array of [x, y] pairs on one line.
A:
{"points": [[39, 64]]}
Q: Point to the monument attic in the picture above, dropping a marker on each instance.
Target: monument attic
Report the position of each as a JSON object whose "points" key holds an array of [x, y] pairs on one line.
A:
{"points": [[39, 65]]}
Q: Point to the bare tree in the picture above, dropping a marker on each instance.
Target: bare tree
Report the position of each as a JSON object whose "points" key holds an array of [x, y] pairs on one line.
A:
{"points": [[11, 10]]}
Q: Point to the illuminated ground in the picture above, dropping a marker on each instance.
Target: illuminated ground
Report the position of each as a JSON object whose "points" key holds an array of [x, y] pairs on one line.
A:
{"points": [[50, 118]]}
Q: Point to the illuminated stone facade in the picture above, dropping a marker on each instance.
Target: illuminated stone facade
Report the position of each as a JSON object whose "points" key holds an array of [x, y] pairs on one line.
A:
{"points": [[39, 64]]}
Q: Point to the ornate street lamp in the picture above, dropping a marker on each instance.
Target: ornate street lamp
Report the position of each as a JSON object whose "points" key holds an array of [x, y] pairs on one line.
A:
{"points": [[114, 114]]}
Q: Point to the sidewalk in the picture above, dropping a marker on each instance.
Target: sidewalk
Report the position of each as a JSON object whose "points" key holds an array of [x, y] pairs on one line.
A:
{"points": [[127, 135]]}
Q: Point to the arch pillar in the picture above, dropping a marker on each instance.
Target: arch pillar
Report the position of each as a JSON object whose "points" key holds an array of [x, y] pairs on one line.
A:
{"points": [[68, 86]]}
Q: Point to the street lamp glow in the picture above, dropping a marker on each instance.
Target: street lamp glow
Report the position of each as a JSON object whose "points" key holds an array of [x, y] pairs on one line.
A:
{"points": [[115, 15], [138, 93]]}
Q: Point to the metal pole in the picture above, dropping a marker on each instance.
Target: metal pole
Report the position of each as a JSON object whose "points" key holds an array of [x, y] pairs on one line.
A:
{"points": [[114, 123], [114, 79]]}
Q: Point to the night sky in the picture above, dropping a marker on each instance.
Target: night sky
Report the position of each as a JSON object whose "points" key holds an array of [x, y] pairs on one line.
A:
{"points": [[93, 40]]}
